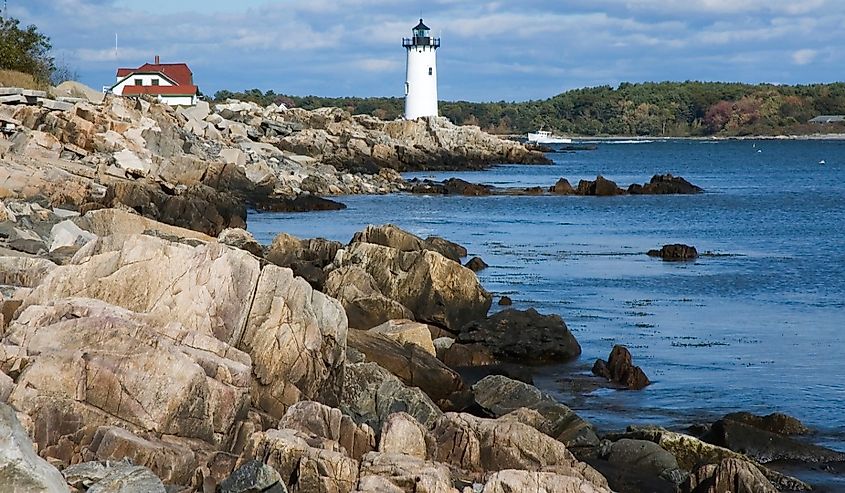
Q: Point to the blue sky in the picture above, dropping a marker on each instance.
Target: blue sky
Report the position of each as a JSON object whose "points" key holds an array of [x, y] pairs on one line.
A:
{"points": [[491, 50]]}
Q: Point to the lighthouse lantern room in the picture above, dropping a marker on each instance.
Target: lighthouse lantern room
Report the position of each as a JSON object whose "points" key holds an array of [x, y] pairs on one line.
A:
{"points": [[421, 73]]}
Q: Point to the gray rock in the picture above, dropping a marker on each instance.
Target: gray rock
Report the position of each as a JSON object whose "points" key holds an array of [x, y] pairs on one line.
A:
{"points": [[253, 477], [646, 458], [523, 337], [240, 238], [68, 234], [371, 394], [501, 395], [21, 469], [126, 478], [413, 365]]}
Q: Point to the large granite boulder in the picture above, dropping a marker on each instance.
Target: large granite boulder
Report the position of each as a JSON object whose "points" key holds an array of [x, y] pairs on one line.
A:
{"points": [[436, 289], [500, 395], [646, 458], [371, 394], [734, 475], [305, 462], [363, 301], [99, 361], [21, 469], [412, 364], [488, 445], [403, 473], [522, 336], [511, 481], [107, 222], [296, 337], [206, 288], [331, 424], [402, 434], [406, 331], [395, 237]]}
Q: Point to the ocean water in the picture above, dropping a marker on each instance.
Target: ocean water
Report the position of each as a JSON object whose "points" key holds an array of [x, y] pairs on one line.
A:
{"points": [[759, 326]]}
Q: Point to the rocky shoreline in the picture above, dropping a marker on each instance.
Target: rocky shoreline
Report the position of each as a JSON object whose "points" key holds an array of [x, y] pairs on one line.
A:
{"points": [[149, 343], [140, 353], [201, 167]]}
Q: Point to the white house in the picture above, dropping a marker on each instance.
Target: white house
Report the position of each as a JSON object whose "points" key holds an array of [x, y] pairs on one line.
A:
{"points": [[421, 73], [172, 83]]}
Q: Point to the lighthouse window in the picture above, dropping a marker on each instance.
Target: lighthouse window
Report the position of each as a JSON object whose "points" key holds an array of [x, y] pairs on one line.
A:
{"points": [[430, 71]]}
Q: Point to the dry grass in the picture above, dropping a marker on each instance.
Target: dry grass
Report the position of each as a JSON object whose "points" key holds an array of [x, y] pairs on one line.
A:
{"points": [[13, 78]]}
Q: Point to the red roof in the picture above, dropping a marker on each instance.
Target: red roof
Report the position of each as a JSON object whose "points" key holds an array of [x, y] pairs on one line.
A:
{"points": [[160, 90], [178, 72]]}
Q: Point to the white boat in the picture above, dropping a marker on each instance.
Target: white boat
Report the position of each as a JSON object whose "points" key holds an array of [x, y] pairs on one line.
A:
{"points": [[546, 137]]}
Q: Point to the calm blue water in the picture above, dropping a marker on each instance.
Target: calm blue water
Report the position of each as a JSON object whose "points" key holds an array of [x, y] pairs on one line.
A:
{"points": [[759, 328]]}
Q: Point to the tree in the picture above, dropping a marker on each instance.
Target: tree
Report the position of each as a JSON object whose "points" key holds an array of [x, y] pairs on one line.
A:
{"points": [[25, 50]]}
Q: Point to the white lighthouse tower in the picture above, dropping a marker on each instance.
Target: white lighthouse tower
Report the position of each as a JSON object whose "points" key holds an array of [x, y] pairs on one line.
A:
{"points": [[421, 73]]}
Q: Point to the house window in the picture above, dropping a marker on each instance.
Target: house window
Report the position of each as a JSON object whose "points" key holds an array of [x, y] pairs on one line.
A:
{"points": [[139, 82], [407, 88], [155, 82], [430, 71]]}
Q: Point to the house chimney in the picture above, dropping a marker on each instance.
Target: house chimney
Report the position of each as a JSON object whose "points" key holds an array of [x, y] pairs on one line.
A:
{"points": [[158, 60]]}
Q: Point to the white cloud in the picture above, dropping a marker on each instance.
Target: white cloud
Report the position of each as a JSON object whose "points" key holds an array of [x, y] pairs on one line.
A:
{"points": [[523, 48], [378, 64], [804, 57]]}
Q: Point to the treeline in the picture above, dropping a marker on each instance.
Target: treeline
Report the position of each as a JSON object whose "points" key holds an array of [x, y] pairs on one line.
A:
{"points": [[647, 109]]}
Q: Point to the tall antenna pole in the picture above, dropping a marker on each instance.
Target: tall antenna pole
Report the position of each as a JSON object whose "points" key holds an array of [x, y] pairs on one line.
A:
{"points": [[5, 9], [115, 45]]}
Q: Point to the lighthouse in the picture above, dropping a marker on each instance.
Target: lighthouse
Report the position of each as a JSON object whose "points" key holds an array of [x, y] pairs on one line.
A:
{"points": [[421, 73]]}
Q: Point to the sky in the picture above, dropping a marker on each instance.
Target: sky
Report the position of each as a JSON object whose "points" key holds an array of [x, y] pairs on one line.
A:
{"points": [[491, 50]]}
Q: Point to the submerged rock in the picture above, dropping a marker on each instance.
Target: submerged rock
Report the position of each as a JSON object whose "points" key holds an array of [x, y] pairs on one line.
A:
{"points": [[665, 184], [766, 446], [677, 251], [475, 264], [601, 187], [619, 368], [779, 423]]}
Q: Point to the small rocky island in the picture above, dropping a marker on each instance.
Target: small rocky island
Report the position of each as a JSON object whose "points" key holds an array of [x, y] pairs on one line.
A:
{"points": [[149, 343]]}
